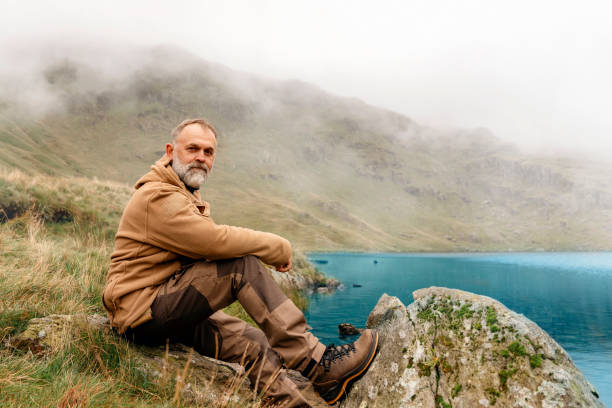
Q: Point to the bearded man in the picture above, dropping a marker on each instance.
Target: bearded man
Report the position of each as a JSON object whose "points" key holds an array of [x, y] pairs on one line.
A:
{"points": [[173, 270]]}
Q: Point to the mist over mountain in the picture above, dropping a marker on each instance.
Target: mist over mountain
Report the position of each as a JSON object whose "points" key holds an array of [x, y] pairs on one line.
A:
{"points": [[326, 172]]}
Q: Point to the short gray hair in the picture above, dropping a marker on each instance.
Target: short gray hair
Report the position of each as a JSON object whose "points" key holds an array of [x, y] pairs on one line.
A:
{"points": [[202, 122]]}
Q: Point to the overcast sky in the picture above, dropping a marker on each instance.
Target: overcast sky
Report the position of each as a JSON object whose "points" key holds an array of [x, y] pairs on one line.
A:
{"points": [[535, 72]]}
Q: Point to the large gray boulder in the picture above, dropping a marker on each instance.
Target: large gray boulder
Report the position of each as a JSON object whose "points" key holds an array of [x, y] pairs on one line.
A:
{"points": [[452, 348]]}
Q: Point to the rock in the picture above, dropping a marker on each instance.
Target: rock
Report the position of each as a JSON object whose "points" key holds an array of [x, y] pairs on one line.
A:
{"points": [[333, 284], [209, 382], [293, 279], [347, 329], [387, 308], [49, 333], [305, 283], [451, 348]]}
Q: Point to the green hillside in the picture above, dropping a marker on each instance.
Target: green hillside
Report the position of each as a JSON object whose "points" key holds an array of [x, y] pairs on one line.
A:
{"points": [[327, 172]]}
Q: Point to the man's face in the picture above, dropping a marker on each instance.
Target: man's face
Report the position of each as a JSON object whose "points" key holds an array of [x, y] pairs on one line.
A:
{"points": [[193, 154]]}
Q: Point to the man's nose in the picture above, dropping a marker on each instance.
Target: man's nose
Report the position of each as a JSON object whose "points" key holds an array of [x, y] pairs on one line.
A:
{"points": [[201, 157]]}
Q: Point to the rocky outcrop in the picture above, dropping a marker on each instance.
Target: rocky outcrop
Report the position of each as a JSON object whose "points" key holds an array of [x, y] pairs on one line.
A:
{"points": [[304, 277], [304, 282], [456, 349], [199, 380]]}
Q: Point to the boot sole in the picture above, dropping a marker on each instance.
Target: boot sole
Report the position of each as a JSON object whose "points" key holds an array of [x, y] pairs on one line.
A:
{"points": [[335, 394]]}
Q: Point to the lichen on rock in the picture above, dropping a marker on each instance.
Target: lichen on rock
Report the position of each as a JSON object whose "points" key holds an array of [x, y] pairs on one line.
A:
{"points": [[451, 348]]}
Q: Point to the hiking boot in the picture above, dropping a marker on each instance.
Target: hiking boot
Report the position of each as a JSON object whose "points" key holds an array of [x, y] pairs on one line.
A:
{"points": [[340, 366]]}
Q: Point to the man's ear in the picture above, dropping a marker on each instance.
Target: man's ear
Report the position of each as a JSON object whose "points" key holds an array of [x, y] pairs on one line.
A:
{"points": [[169, 149]]}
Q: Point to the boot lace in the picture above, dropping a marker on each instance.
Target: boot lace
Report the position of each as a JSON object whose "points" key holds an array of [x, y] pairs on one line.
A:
{"points": [[333, 353]]}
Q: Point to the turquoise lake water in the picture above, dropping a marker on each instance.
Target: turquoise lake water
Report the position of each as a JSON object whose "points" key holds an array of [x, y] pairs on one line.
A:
{"points": [[567, 294]]}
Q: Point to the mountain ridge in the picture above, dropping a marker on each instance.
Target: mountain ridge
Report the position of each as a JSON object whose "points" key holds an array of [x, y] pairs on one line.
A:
{"points": [[328, 172]]}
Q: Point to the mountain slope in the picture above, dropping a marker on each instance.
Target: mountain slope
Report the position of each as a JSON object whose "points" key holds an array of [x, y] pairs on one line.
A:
{"points": [[327, 172]]}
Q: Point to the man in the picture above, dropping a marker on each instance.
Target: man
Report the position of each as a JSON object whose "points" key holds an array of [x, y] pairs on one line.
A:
{"points": [[173, 270]]}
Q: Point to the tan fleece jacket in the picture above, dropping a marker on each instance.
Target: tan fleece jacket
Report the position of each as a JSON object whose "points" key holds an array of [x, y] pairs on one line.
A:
{"points": [[163, 227]]}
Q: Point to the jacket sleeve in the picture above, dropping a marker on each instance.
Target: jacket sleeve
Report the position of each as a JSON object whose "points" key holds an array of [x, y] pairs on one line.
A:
{"points": [[173, 222]]}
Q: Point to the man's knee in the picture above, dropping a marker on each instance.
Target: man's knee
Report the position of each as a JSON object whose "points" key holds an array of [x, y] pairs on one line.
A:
{"points": [[237, 265], [251, 260], [255, 269], [251, 267], [247, 268], [260, 280]]}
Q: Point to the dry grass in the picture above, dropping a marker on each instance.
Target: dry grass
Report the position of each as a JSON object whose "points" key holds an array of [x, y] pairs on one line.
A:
{"points": [[56, 237], [54, 267], [47, 274]]}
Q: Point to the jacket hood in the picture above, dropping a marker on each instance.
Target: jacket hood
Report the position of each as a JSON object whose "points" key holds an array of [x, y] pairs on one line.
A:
{"points": [[161, 171]]}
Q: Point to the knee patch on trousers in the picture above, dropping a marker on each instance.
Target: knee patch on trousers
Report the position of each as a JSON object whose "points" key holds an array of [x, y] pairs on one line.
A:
{"points": [[251, 271]]}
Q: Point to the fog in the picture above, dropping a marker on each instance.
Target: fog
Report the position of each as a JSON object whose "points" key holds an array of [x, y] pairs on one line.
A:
{"points": [[534, 73]]}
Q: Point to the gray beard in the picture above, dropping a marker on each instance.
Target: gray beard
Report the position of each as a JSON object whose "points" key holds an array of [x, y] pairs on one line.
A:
{"points": [[193, 174]]}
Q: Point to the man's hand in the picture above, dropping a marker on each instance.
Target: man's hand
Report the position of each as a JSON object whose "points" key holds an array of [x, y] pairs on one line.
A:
{"points": [[285, 267]]}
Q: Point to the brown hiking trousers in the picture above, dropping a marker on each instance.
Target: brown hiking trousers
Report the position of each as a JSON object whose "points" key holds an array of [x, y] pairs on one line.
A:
{"points": [[188, 310]]}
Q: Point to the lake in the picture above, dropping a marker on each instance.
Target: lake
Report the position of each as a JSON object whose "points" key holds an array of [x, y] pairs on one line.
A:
{"points": [[567, 294]]}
